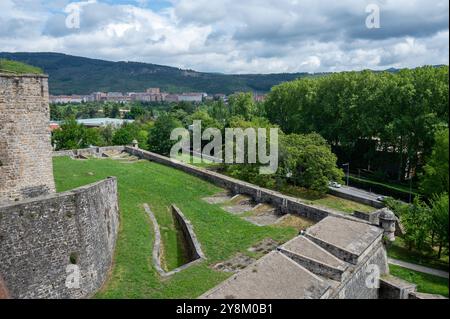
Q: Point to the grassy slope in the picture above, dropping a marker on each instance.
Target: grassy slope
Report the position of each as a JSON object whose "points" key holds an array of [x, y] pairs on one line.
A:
{"points": [[221, 234], [327, 200], [15, 67], [398, 250], [425, 283]]}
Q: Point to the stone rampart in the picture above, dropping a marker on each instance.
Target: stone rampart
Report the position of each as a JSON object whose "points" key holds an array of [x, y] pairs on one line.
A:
{"points": [[26, 168], [286, 204], [48, 243]]}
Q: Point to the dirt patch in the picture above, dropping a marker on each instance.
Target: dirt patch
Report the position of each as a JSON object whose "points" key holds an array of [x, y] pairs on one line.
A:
{"points": [[263, 215], [265, 246], [239, 204], [299, 223], [123, 157], [235, 264], [219, 198]]}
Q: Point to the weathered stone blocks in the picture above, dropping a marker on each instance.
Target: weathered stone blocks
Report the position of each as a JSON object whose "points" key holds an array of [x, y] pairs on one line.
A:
{"points": [[26, 168], [48, 240]]}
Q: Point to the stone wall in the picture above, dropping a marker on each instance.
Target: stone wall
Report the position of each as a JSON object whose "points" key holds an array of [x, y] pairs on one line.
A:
{"points": [[286, 204], [194, 250], [26, 169], [43, 241], [355, 286], [92, 151], [395, 288]]}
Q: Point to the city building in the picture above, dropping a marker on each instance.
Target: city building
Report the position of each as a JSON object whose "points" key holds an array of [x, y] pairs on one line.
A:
{"points": [[102, 122], [191, 97], [66, 99], [153, 91]]}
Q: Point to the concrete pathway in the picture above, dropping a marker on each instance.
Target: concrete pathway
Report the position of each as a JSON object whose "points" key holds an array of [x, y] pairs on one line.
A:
{"points": [[426, 270]]}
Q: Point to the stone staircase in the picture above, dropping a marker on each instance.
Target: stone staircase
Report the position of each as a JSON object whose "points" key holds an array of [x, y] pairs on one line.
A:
{"points": [[123, 157], [331, 259], [260, 214]]}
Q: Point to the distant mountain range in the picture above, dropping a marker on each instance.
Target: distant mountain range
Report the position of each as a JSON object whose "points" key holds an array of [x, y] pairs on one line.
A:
{"points": [[78, 75]]}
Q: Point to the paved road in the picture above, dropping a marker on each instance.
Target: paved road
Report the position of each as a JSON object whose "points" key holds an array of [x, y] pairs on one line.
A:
{"points": [[427, 270], [357, 192]]}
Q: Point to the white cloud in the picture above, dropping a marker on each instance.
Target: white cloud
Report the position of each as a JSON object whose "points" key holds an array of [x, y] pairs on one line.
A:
{"points": [[233, 36]]}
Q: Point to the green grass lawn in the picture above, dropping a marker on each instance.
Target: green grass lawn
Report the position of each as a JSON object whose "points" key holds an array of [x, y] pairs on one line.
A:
{"points": [[327, 200], [15, 67], [425, 283], [221, 234], [398, 250]]}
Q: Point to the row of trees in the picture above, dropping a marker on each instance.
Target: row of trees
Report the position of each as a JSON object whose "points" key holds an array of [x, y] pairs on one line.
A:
{"points": [[72, 135], [60, 112], [305, 160], [393, 112], [426, 223]]}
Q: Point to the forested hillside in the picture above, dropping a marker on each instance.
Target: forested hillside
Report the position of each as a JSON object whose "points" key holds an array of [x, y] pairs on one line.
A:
{"points": [[77, 75]]}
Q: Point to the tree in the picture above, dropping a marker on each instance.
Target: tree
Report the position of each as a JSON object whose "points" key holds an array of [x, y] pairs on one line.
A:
{"points": [[435, 179], [159, 135], [440, 221], [219, 111], [136, 111], [308, 162], [129, 132], [107, 133], [416, 220], [207, 120], [115, 111], [242, 104], [72, 135], [398, 112]]}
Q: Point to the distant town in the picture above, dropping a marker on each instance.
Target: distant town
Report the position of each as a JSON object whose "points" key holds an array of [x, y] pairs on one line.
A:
{"points": [[150, 95]]}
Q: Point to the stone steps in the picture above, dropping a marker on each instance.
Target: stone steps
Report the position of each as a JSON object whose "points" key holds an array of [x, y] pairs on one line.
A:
{"points": [[314, 258]]}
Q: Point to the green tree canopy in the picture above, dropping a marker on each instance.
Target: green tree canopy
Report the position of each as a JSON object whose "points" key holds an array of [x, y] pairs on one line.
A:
{"points": [[307, 161], [159, 135], [72, 135], [436, 175]]}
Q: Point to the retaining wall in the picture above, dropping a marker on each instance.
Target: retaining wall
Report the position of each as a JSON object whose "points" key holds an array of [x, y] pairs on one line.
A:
{"points": [[395, 288], [91, 151], [45, 242], [195, 252], [286, 204], [192, 244], [356, 285]]}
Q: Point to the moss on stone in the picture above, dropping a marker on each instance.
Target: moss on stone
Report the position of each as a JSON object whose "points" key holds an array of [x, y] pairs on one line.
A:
{"points": [[9, 66]]}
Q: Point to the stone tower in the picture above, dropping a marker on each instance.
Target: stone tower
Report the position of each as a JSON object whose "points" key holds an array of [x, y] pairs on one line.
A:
{"points": [[387, 222], [26, 168]]}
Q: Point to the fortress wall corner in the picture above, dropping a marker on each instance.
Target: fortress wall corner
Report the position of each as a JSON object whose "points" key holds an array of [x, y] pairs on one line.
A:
{"points": [[50, 242], [26, 168]]}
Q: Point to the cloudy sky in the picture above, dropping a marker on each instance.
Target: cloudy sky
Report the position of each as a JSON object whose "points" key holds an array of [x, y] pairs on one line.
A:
{"points": [[234, 36]]}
